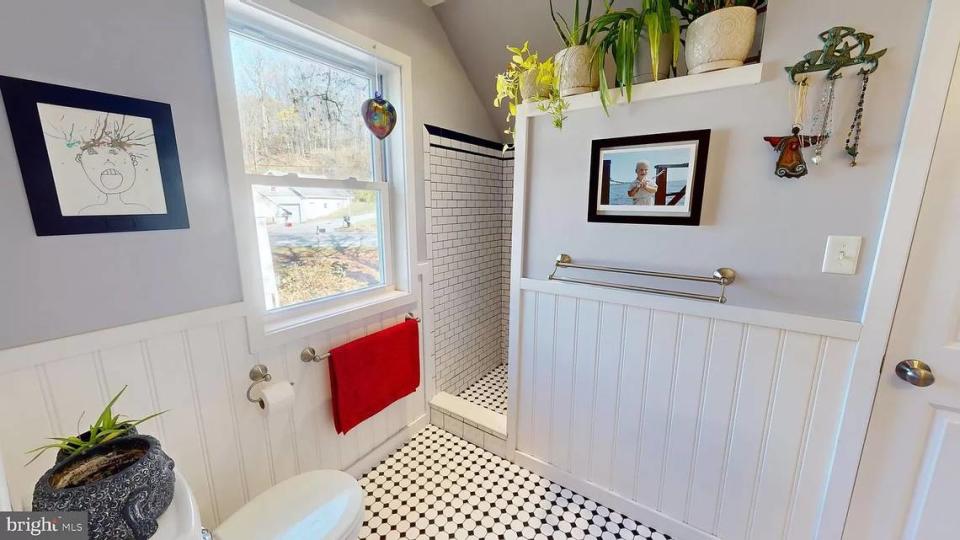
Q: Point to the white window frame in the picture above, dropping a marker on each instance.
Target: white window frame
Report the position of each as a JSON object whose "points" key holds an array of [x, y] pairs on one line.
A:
{"points": [[295, 23]]}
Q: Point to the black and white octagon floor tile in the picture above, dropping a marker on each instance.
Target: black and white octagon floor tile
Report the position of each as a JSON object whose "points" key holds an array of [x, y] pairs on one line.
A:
{"points": [[490, 392], [439, 486]]}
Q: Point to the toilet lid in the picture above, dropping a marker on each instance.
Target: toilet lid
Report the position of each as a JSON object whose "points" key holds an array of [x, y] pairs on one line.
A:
{"points": [[316, 504]]}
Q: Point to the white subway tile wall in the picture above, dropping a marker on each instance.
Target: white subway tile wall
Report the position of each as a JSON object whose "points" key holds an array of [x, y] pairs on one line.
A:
{"points": [[506, 228], [469, 192]]}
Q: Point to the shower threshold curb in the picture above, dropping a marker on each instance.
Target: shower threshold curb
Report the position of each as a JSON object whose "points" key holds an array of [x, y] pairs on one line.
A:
{"points": [[474, 423]]}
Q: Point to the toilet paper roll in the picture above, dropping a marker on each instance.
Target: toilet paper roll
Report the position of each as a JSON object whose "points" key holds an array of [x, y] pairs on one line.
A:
{"points": [[275, 397]]}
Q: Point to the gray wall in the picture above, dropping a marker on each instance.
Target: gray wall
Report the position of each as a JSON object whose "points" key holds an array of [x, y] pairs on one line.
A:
{"points": [[56, 286], [61, 285], [771, 231]]}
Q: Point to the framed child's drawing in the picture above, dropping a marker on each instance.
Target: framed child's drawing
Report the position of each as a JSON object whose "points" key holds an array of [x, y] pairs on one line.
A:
{"points": [[94, 162], [649, 178]]}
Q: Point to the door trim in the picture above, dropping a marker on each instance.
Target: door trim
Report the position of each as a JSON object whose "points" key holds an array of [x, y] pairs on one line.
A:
{"points": [[917, 143]]}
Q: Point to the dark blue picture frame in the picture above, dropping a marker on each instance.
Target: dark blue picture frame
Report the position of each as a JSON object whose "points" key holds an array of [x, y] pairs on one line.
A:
{"points": [[20, 98]]}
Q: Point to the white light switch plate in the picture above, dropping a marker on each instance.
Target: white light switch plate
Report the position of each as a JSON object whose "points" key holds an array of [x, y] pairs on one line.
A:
{"points": [[842, 254]]}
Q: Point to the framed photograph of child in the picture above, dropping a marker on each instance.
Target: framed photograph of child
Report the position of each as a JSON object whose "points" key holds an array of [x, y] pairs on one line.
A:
{"points": [[94, 162], [656, 179]]}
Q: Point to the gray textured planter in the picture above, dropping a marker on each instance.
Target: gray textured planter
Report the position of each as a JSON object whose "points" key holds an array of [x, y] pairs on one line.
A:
{"points": [[125, 504]]}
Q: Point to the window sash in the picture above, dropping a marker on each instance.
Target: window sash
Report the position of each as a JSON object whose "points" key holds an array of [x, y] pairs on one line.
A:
{"points": [[386, 240], [295, 180], [270, 36]]}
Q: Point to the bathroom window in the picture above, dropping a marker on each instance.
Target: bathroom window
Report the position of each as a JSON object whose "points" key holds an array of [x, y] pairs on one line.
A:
{"points": [[321, 203]]}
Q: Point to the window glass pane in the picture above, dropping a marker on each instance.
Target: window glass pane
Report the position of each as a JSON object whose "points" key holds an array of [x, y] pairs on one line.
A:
{"points": [[299, 115], [317, 242]]}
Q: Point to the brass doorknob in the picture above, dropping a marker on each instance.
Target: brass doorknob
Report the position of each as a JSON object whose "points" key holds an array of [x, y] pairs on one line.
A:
{"points": [[915, 372]]}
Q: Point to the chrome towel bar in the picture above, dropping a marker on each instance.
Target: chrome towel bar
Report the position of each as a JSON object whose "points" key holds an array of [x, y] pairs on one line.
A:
{"points": [[310, 354], [721, 277]]}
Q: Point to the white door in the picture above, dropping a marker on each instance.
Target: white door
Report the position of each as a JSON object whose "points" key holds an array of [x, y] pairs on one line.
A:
{"points": [[908, 484]]}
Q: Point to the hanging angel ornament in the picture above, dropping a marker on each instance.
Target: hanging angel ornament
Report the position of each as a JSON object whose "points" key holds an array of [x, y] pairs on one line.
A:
{"points": [[791, 164]]}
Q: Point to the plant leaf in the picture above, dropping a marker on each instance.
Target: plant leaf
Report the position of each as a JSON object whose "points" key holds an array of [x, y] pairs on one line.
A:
{"points": [[107, 411], [556, 23], [135, 423], [604, 89], [675, 31], [576, 23]]}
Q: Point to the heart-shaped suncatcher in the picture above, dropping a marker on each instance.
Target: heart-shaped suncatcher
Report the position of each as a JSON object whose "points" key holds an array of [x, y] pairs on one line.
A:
{"points": [[379, 115]]}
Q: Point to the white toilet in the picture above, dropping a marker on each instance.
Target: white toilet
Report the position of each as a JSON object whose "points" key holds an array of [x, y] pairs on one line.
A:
{"points": [[314, 505]]}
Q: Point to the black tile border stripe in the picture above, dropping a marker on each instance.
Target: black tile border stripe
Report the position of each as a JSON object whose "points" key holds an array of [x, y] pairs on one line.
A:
{"points": [[462, 137], [501, 158]]}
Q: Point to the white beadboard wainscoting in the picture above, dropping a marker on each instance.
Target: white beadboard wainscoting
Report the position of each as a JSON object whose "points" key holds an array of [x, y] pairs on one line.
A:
{"points": [[704, 420], [195, 366]]}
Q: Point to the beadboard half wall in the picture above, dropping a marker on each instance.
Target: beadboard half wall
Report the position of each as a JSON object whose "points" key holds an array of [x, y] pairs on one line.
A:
{"points": [[195, 366], [704, 420]]}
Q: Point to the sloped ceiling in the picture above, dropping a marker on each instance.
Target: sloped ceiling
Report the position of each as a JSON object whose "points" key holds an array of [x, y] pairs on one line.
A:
{"points": [[479, 30]]}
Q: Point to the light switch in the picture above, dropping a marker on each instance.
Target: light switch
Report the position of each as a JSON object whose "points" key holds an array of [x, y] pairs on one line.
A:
{"points": [[842, 254]]}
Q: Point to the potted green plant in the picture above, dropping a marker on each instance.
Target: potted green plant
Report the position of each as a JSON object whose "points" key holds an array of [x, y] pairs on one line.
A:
{"points": [[621, 33], [528, 80], [720, 32], [662, 30], [575, 68], [123, 479]]}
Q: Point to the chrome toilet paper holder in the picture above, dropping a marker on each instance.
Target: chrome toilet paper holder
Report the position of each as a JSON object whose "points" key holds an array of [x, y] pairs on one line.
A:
{"points": [[258, 374]]}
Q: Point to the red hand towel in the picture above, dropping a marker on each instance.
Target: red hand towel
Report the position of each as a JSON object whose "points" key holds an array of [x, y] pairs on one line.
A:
{"points": [[370, 373]]}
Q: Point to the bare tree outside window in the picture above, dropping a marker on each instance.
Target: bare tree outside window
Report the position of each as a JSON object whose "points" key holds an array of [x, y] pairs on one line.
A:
{"points": [[298, 115]]}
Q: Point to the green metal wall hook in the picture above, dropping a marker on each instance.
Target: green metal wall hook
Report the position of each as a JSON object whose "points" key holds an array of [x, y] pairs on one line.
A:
{"points": [[843, 47]]}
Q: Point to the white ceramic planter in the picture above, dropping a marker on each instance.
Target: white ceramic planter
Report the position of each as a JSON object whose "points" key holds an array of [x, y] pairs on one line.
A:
{"points": [[574, 66], [643, 66], [530, 90], [720, 39]]}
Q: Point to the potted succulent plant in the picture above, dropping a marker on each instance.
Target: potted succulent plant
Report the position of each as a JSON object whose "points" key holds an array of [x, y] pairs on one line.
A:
{"points": [[528, 80], [575, 69], [123, 479], [720, 32]]}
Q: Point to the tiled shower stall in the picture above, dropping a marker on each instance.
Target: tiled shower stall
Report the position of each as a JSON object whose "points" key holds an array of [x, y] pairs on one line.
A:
{"points": [[469, 192]]}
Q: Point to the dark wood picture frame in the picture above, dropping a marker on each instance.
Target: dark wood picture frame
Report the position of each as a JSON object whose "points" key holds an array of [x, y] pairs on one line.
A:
{"points": [[21, 98], [702, 140]]}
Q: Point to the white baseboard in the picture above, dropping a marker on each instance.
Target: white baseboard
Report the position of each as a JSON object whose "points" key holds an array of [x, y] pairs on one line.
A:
{"points": [[389, 446], [647, 516]]}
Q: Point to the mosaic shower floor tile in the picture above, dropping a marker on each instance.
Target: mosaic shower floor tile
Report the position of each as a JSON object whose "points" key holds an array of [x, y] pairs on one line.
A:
{"points": [[490, 392]]}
